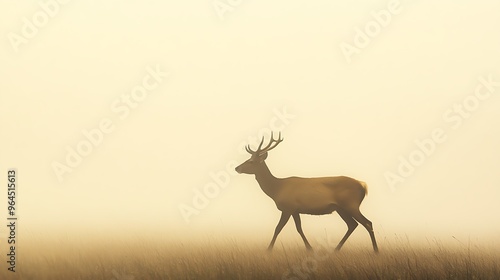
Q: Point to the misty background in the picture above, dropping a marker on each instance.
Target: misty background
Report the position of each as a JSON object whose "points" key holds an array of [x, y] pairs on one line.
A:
{"points": [[230, 79]]}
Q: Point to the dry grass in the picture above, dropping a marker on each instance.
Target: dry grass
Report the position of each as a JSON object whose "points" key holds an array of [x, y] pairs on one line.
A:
{"points": [[122, 260]]}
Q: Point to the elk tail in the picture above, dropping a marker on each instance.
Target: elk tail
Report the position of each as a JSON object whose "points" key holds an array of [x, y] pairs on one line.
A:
{"points": [[365, 186]]}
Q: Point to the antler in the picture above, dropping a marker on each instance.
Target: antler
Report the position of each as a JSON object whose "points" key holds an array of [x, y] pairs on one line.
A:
{"points": [[272, 144]]}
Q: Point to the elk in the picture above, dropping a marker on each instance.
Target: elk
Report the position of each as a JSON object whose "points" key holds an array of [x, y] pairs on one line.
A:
{"points": [[314, 196]]}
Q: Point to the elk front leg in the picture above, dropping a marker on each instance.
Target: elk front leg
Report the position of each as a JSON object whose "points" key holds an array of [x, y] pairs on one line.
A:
{"points": [[298, 225], [283, 220]]}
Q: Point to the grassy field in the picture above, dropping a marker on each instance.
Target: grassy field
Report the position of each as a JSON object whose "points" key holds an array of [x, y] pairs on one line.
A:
{"points": [[154, 259]]}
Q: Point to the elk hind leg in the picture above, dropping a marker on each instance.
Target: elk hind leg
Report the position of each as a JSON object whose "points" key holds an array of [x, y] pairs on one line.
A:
{"points": [[351, 226], [356, 214]]}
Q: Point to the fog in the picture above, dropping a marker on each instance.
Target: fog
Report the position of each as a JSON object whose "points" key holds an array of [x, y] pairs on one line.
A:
{"points": [[161, 97]]}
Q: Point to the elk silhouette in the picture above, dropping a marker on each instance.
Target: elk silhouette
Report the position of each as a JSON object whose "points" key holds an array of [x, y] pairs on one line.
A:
{"points": [[315, 196]]}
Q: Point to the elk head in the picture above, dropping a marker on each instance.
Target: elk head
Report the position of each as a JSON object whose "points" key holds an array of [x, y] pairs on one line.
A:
{"points": [[252, 165]]}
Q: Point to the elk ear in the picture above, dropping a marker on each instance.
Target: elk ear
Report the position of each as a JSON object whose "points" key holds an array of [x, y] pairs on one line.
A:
{"points": [[263, 157]]}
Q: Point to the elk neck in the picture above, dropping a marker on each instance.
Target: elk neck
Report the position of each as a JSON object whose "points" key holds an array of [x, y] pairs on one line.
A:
{"points": [[268, 183]]}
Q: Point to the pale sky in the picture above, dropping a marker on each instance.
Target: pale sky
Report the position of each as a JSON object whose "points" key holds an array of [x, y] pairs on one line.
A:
{"points": [[234, 74]]}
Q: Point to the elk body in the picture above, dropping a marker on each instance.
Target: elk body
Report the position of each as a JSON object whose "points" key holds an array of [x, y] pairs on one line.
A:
{"points": [[315, 196]]}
